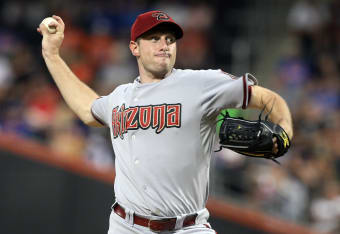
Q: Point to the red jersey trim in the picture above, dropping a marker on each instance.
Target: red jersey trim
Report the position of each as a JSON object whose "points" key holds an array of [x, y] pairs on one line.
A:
{"points": [[249, 93]]}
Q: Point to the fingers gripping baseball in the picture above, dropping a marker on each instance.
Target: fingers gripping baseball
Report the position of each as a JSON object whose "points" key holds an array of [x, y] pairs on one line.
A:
{"points": [[52, 30]]}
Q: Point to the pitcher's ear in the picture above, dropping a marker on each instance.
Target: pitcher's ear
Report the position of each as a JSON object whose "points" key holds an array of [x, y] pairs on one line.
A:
{"points": [[134, 47]]}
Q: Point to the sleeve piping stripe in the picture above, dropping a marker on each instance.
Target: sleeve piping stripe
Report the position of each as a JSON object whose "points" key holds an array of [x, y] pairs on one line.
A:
{"points": [[249, 93], [245, 93]]}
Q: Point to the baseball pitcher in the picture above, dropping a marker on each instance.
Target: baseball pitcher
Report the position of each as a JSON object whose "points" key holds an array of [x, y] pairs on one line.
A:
{"points": [[163, 126]]}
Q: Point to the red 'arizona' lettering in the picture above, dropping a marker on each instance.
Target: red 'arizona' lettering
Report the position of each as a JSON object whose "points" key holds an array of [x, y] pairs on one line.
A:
{"points": [[115, 122], [145, 116], [131, 113], [157, 117], [172, 115]]}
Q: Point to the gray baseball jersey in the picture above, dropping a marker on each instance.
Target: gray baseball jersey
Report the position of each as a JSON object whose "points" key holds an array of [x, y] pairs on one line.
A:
{"points": [[163, 135]]}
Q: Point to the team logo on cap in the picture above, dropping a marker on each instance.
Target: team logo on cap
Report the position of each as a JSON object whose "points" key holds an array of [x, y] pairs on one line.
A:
{"points": [[160, 16]]}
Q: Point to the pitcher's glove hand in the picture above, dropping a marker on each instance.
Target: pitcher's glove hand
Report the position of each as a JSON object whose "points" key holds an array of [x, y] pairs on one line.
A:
{"points": [[253, 138]]}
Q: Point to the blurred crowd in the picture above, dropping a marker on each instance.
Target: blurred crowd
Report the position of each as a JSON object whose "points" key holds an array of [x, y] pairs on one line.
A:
{"points": [[96, 49], [306, 188]]}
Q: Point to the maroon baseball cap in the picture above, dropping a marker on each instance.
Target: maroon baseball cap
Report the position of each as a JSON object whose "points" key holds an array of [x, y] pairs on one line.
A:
{"points": [[151, 19]]}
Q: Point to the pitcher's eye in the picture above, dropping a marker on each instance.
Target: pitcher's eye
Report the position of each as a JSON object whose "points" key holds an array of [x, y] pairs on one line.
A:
{"points": [[154, 38], [170, 40]]}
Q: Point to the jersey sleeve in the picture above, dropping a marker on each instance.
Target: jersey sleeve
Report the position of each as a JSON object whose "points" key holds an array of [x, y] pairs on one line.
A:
{"points": [[222, 90], [99, 110]]}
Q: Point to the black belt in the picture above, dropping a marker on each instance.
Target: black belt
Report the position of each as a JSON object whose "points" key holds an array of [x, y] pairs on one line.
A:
{"points": [[167, 224]]}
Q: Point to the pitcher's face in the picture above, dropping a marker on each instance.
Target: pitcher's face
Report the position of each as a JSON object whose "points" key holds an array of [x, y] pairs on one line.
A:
{"points": [[156, 51]]}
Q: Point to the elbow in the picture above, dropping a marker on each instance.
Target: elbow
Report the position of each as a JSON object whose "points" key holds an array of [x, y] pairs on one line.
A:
{"points": [[91, 120], [94, 123]]}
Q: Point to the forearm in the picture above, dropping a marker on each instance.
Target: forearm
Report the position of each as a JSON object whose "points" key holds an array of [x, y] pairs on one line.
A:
{"points": [[275, 104], [78, 96]]}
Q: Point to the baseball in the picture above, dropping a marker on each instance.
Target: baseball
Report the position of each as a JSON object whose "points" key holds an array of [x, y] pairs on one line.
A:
{"points": [[47, 21]]}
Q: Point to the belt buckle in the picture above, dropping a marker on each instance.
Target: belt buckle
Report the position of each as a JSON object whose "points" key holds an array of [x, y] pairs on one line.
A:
{"points": [[161, 225], [149, 226]]}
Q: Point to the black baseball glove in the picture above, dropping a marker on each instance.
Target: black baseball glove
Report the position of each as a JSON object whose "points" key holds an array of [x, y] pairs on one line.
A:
{"points": [[253, 138]]}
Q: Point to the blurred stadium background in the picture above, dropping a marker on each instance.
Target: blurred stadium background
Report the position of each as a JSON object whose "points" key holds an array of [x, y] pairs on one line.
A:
{"points": [[292, 47]]}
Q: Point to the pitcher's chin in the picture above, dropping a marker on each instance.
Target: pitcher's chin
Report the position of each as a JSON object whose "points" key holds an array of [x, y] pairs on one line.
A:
{"points": [[162, 71]]}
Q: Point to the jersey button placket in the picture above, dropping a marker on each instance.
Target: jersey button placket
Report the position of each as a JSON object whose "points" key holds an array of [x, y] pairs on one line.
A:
{"points": [[133, 137], [135, 93]]}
